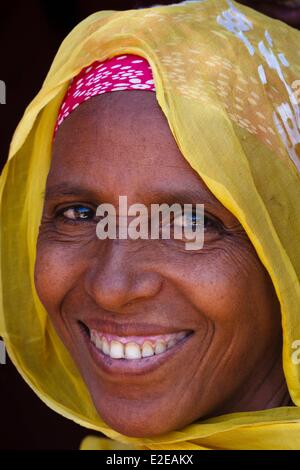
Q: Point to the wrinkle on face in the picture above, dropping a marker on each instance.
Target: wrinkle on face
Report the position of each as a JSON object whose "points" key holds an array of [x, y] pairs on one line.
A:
{"points": [[121, 144]]}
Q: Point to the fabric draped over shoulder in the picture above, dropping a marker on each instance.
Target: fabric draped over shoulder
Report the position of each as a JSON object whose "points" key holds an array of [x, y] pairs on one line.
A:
{"points": [[226, 79]]}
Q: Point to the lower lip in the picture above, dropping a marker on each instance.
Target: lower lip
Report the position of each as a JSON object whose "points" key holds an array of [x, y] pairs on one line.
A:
{"points": [[134, 367]]}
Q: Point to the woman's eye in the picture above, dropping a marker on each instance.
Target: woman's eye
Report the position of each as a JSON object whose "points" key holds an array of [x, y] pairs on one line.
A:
{"points": [[193, 221], [78, 213], [210, 223]]}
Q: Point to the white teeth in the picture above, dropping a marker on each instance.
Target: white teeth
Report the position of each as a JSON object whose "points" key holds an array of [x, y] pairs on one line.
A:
{"points": [[181, 335], [160, 347], [93, 336], [132, 351], [147, 349], [98, 342], [171, 342], [116, 350], [105, 346]]}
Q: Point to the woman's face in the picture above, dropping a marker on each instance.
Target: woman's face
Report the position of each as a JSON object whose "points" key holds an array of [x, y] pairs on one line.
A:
{"points": [[219, 300]]}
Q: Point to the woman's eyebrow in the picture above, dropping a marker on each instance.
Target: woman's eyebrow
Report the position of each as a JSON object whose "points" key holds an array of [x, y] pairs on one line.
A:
{"points": [[66, 189], [187, 196]]}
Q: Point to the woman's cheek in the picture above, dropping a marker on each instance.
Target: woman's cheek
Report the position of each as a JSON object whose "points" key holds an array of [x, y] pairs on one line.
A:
{"points": [[218, 283], [56, 270]]}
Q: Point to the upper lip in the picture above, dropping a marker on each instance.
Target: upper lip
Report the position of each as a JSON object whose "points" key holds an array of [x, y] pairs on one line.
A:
{"points": [[130, 329]]}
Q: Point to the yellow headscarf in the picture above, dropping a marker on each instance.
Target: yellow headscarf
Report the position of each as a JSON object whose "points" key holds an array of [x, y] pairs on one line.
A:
{"points": [[225, 78]]}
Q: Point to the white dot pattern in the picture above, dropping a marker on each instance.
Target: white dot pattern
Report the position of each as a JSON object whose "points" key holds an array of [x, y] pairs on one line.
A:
{"points": [[125, 72]]}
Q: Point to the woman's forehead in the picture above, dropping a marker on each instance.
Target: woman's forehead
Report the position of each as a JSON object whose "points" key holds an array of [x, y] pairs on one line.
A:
{"points": [[117, 131], [121, 143]]}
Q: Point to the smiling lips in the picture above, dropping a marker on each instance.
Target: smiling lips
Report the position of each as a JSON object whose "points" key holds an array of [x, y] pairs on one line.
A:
{"points": [[134, 347]]}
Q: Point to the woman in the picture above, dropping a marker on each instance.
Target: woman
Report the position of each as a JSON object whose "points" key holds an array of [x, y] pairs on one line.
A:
{"points": [[221, 129]]}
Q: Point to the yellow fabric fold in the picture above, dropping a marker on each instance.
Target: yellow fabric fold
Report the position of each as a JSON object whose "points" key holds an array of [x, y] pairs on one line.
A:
{"points": [[224, 76]]}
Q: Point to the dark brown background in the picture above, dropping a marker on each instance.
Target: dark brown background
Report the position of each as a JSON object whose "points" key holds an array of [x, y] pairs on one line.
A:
{"points": [[30, 33]]}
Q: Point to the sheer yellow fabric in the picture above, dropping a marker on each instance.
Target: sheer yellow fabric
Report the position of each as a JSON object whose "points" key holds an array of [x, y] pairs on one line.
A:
{"points": [[226, 81]]}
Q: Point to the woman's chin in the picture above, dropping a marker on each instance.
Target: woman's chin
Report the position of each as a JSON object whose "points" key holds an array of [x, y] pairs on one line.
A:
{"points": [[136, 423]]}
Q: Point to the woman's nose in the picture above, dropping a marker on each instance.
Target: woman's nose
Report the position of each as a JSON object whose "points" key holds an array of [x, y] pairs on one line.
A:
{"points": [[120, 276]]}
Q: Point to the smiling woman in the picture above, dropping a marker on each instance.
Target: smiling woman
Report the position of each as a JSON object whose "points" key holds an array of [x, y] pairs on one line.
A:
{"points": [[151, 344], [208, 306]]}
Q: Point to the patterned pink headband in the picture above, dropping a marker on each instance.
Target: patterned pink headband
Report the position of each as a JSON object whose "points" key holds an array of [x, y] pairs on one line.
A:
{"points": [[123, 72]]}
